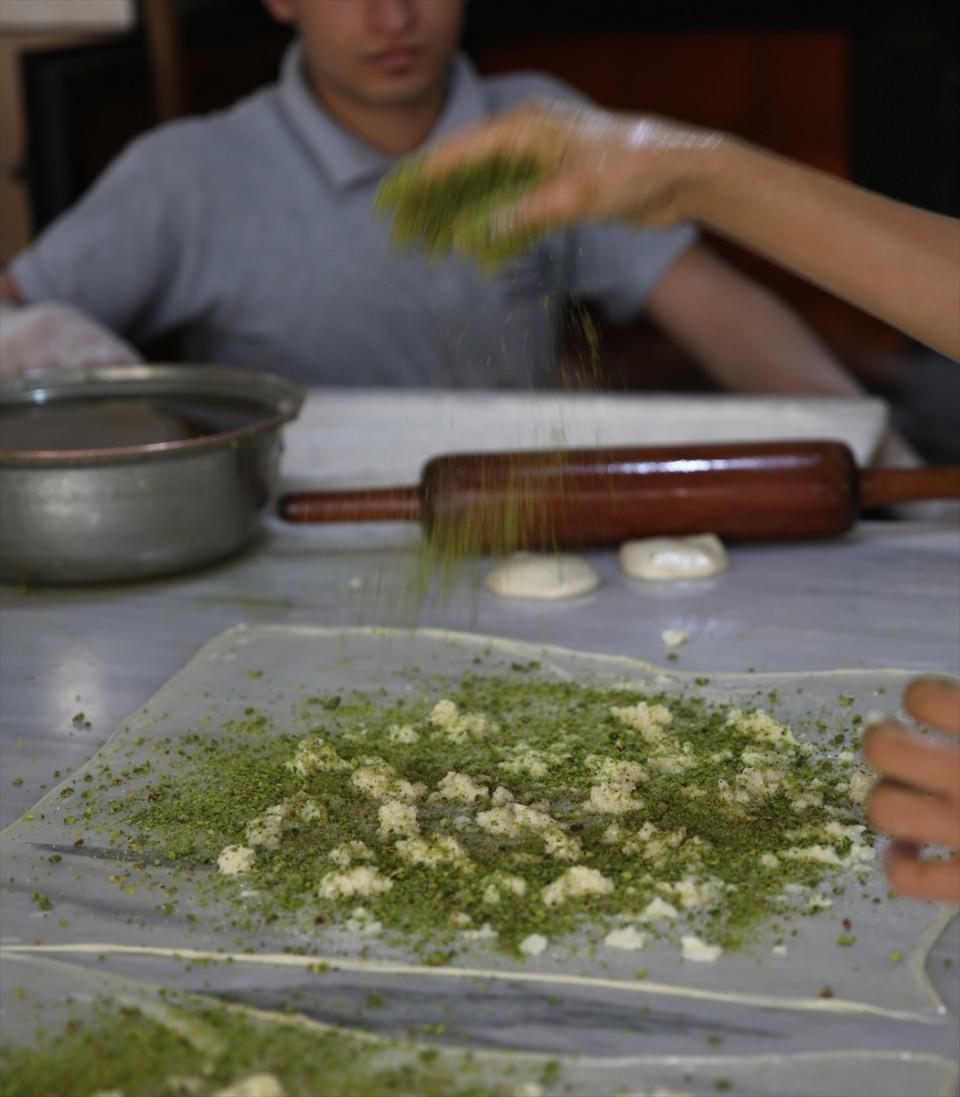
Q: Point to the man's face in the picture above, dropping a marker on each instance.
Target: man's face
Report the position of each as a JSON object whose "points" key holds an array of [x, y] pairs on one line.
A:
{"points": [[378, 52]]}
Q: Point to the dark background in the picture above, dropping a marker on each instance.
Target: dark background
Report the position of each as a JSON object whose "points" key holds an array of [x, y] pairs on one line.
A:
{"points": [[872, 89], [867, 90]]}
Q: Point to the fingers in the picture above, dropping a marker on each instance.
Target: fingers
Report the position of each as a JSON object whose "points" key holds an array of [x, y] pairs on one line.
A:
{"points": [[914, 816], [918, 800], [907, 757], [935, 702], [516, 134], [911, 875], [559, 202]]}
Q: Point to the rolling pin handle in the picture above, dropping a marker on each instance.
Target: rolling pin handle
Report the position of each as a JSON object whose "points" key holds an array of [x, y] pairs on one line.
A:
{"points": [[372, 505], [881, 486]]}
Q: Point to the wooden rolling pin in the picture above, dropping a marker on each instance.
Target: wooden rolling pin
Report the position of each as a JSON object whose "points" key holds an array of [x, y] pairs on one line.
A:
{"points": [[477, 502]]}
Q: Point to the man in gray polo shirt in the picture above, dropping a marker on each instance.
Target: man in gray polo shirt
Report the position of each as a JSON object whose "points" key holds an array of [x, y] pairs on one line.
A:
{"points": [[250, 233]]}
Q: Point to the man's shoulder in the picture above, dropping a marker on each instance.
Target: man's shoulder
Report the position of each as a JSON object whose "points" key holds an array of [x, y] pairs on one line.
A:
{"points": [[197, 139], [510, 89]]}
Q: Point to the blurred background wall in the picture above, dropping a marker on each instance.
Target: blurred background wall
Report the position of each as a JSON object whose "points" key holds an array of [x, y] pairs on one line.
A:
{"points": [[37, 26], [867, 90]]}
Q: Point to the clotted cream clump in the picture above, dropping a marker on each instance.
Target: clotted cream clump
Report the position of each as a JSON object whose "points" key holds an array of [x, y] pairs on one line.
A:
{"points": [[576, 883], [365, 880]]}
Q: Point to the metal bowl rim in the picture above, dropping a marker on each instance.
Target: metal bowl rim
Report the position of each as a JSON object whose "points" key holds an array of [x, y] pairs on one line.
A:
{"points": [[275, 393]]}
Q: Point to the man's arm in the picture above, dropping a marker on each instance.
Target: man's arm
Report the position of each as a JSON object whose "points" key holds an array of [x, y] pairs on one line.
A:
{"points": [[748, 340], [743, 335], [119, 265]]}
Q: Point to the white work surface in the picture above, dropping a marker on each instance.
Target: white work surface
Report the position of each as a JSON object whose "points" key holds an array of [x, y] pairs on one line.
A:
{"points": [[883, 596], [887, 594], [371, 437]]}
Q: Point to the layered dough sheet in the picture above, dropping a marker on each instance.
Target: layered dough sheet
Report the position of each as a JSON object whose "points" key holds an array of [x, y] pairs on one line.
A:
{"points": [[98, 900], [36, 991]]}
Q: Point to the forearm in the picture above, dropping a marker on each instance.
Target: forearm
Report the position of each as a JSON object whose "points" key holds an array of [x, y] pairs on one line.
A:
{"points": [[778, 356], [758, 345], [745, 338], [896, 262]]}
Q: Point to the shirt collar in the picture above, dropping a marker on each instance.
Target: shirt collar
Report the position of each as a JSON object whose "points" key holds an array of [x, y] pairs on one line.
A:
{"points": [[347, 159]]}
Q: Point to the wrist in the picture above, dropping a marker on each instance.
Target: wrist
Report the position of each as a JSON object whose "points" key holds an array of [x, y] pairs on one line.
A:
{"points": [[707, 178]]}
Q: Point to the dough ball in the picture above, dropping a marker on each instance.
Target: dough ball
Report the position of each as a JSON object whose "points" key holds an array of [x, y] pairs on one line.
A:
{"points": [[530, 575], [673, 557]]}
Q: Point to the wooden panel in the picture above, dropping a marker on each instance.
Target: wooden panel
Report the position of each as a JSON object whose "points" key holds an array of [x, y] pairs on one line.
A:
{"points": [[787, 91], [62, 15], [15, 222]]}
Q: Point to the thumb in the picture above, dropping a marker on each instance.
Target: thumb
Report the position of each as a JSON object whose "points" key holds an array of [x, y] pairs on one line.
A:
{"points": [[554, 203]]}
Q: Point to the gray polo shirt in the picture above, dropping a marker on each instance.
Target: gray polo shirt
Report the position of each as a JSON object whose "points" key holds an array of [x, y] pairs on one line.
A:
{"points": [[250, 231]]}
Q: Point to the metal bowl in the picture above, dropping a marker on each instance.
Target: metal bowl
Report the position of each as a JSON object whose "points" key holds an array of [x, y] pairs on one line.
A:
{"points": [[128, 511]]}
